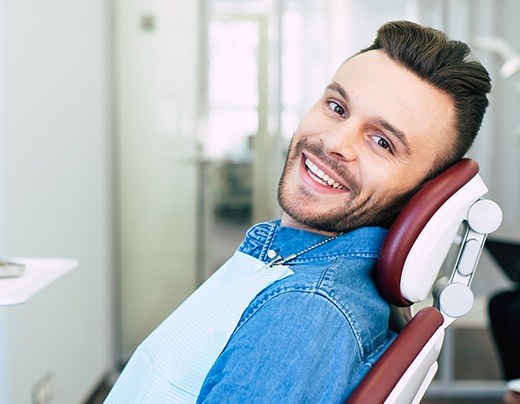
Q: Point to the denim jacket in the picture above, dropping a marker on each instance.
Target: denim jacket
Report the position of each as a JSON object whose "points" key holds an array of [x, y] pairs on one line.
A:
{"points": [[312, 336]]}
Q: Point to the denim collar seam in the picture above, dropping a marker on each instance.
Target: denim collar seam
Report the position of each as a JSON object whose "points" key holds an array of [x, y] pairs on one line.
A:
{"points": [[327, 276], [260, 233], [266, 244], [334, 256]]}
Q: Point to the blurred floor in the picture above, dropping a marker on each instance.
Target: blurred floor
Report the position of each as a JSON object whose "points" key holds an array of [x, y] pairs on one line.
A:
{"points": [[475, 360]]}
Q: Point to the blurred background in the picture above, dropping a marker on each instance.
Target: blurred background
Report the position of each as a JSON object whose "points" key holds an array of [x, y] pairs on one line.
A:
{"points": [[143, 138]]}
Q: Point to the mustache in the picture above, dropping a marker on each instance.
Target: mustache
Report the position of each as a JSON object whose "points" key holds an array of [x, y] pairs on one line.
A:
{"points": [[339, 169]]}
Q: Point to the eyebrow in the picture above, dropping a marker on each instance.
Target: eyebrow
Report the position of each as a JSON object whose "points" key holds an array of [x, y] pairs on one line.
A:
{"points": [[398, 134], [334, 86]]}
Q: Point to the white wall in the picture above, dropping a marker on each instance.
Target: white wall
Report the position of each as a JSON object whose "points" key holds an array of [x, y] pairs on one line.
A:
{"points": [[505, 138], [55, 178], [157, 105]]}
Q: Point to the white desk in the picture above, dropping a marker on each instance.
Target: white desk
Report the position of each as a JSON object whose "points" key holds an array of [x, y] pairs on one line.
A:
{"points": [[38, 275], [40, 335]]}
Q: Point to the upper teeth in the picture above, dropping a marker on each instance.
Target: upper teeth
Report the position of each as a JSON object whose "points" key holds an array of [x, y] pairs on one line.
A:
{"points": [[321, 177]]}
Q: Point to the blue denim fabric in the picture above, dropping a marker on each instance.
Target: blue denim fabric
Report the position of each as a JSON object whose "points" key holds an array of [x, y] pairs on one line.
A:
{"points": [[310, 337]]}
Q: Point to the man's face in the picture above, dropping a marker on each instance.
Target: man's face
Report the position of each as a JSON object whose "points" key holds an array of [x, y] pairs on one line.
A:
{"points": [[369, 141]]}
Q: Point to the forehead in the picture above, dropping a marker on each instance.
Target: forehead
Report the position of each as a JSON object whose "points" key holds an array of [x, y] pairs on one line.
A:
{"points": [[377, 86]]}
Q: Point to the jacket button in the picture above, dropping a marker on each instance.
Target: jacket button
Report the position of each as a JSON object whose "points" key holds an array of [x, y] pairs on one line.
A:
{"points": [[271, 254]]}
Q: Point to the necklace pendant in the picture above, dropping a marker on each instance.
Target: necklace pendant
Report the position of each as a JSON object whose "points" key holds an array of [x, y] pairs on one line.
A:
{"points": [[271, 263], [280, 260]]}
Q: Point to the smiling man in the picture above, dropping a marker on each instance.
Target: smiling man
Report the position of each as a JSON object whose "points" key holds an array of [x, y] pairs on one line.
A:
{"points": [[393, 116], [369, 142]]}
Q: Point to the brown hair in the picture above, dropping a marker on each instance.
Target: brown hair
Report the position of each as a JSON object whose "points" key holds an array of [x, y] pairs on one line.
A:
{"points": [[447, 65]]}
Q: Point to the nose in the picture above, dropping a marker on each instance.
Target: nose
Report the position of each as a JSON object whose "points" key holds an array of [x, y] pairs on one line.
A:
{"points": [[342, 140]]}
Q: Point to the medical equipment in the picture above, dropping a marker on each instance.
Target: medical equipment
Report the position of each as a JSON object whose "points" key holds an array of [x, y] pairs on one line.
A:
{"points": [[448, 210]]}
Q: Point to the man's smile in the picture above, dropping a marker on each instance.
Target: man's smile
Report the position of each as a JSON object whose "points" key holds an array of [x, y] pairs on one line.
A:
{"points": [[319, 176]]}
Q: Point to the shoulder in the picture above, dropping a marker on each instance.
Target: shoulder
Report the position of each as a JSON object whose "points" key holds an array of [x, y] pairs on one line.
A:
{"points": [[350, 283], [293, 345], [339, 289]]}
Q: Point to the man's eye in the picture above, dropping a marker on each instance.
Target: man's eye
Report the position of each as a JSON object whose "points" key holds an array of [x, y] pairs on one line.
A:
{"points": [[338, 109], [382, 142]]}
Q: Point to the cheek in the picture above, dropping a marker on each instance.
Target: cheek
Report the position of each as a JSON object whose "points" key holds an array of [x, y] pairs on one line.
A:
{"points": [[378, 179], [311, 123]]}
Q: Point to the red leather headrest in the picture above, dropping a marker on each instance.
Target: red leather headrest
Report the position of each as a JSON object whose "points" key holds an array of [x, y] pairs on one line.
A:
{"points": [[411, 221]]}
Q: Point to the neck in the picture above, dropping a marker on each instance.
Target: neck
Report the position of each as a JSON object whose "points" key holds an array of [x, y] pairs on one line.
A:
{"points": [[288, 221]]}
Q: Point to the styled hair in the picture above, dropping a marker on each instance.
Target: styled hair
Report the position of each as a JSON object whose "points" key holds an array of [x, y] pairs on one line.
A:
{"points": [[447, 65]]}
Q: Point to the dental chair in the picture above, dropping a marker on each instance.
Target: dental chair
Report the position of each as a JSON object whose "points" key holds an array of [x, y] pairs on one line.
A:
{"points": [[448, 212]]}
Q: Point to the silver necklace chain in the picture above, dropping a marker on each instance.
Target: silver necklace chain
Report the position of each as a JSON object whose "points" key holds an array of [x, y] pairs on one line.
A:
{"points": [[279, 260]]}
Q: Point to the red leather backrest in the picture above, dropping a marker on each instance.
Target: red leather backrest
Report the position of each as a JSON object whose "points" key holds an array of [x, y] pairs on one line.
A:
{"points": [[408, 225], [388, 370]]}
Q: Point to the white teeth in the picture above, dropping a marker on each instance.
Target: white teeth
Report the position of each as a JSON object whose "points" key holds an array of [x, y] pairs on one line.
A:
{"points": [[320, 177]]}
